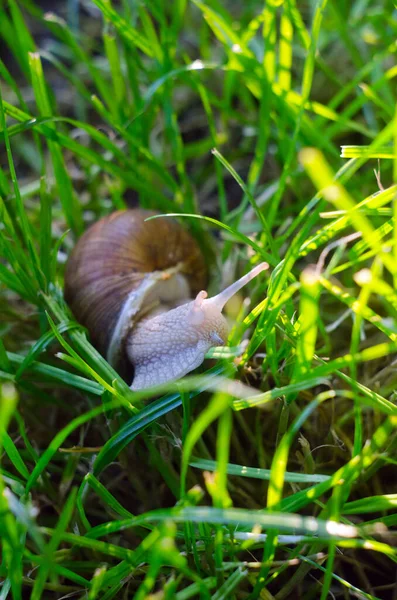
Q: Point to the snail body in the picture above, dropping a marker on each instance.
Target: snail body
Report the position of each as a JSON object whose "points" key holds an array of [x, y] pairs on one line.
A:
{"points": [[130, 282]]}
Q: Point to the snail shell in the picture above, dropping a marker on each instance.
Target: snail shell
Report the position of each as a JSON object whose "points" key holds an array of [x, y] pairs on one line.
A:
{"points": [[123, 268]]}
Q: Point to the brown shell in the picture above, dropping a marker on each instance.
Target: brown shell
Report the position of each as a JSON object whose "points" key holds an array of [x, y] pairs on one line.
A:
{"points": [[110, 259]]}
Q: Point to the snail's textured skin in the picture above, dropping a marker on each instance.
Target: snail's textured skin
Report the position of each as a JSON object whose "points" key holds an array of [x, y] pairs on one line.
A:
{"points": [[112, 259], [170, 345]]}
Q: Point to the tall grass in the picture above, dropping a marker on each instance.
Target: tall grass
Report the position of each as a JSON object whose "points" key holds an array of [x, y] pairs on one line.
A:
{"points": [[271, 473]]}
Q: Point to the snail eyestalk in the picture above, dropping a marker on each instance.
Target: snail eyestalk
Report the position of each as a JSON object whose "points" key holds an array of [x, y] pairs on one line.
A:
{"points": [[220, 299]]}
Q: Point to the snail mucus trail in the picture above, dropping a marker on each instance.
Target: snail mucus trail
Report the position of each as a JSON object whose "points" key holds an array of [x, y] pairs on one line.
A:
{"points": [[130, 282]]}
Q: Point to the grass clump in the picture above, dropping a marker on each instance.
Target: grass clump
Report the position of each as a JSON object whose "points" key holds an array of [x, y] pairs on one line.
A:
{"points": [[271, 473]]}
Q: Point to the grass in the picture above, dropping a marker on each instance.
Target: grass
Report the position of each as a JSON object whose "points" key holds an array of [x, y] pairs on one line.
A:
{"points": [[270, 473]]}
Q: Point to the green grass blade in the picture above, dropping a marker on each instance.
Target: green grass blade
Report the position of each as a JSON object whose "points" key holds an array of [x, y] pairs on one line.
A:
{"points": [[68, 198]]}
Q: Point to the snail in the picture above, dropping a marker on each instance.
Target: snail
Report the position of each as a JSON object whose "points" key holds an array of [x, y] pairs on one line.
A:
{"points": [[130, 282]]}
